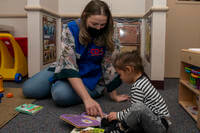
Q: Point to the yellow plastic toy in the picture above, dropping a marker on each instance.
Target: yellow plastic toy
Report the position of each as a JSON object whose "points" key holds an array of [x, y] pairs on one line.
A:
{"points": [[1, 84], [12, 68]]}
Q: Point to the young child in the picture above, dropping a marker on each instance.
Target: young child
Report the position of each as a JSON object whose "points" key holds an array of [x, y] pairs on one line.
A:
{"points": [[148, 111]]}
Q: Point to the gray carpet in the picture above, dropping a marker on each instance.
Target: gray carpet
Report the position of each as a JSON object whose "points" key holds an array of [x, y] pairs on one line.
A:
{"points": [[47, 120]]}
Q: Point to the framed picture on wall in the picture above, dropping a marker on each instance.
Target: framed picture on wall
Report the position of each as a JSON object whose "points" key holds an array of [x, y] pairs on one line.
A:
{"points": [[49, 39], [129, 33]]}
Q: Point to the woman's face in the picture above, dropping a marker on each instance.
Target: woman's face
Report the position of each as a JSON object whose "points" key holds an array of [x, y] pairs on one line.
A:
{"points": [[97, 21]]}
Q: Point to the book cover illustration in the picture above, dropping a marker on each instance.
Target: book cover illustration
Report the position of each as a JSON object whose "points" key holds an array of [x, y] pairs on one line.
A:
{"points": [[81, 121], [88, 130], [29, 108]]}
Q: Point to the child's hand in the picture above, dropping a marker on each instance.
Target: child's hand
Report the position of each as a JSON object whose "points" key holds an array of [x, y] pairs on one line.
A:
{"points": [[112, 116]]}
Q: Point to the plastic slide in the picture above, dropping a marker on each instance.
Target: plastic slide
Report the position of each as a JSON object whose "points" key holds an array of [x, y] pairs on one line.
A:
{"points": [[12, 68]]}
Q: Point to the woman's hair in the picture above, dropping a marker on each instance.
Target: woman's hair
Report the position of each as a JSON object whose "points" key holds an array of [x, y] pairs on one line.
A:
{"points": [[97, 7], [128, 59]]}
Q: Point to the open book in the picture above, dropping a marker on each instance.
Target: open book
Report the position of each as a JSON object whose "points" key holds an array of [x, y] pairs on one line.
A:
{"points": [[82, 120]]}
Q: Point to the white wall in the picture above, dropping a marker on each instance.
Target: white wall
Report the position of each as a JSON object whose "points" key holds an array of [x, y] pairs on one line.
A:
{"points": [[51, 5], [154, 3], [12, 14], [12, 7], [128, 7], [118, 7], [33, 2], [74, 7], [183, 31], [148, 4], [160, 3], [19, 25]]}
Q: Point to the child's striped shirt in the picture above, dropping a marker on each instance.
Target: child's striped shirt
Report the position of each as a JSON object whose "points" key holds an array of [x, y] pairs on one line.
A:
{"points": [[143, 91]]}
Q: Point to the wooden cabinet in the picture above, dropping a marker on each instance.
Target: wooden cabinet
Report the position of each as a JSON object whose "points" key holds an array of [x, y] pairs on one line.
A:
{"points": [[189, 95]]}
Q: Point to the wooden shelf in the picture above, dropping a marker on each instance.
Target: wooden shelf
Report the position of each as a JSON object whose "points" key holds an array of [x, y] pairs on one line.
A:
{"points": [[185, 105], [189, 96], [189, 86]]}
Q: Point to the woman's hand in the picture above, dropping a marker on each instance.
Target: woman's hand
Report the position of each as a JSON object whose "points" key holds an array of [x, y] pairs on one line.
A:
{"points": [[93, 108], [112, 116], [119, 98]]}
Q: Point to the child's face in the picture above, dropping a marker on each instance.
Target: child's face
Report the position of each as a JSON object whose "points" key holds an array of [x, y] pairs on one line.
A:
{"points": [[126, 76]]}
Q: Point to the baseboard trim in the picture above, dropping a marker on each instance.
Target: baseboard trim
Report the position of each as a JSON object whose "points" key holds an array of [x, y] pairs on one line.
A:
{"points": [[158, 84]]}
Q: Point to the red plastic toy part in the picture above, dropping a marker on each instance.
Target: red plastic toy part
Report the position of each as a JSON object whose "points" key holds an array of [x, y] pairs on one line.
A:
{"points": [[9, 95]]}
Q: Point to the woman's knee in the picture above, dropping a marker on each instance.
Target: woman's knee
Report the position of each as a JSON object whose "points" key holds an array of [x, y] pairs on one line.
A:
{"points": [[35, 90], [38, 86], [27, 89], [63, 94]]}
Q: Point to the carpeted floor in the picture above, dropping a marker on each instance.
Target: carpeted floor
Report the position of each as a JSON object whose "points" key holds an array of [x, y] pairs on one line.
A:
{"points": [[47, 121], [7, 106]]}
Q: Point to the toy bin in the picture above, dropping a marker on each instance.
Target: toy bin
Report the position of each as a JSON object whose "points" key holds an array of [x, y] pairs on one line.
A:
{"points": [[194, 74]]}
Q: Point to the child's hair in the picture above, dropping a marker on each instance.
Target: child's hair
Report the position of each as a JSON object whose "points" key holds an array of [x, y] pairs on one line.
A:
{"points": [[130, 58]]}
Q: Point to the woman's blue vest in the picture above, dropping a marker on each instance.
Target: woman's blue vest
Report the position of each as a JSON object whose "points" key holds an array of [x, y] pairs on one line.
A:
{"points": [[90, 59]]}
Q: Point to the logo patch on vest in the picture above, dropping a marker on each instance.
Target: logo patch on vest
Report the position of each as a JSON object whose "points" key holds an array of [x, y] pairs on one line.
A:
{"points": [[96, 52]]}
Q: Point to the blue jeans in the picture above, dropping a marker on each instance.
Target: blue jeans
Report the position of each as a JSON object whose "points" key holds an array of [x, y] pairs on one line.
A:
{"points": [[61, 91], [140, 116]]}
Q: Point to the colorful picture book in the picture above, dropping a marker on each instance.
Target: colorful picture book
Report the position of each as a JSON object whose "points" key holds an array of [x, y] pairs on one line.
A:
{"points": [[87, 130], [30, 109], [81, 121]]}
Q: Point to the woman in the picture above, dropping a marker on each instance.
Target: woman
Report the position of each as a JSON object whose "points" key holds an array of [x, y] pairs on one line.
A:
{"points": [[84, 67]]}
